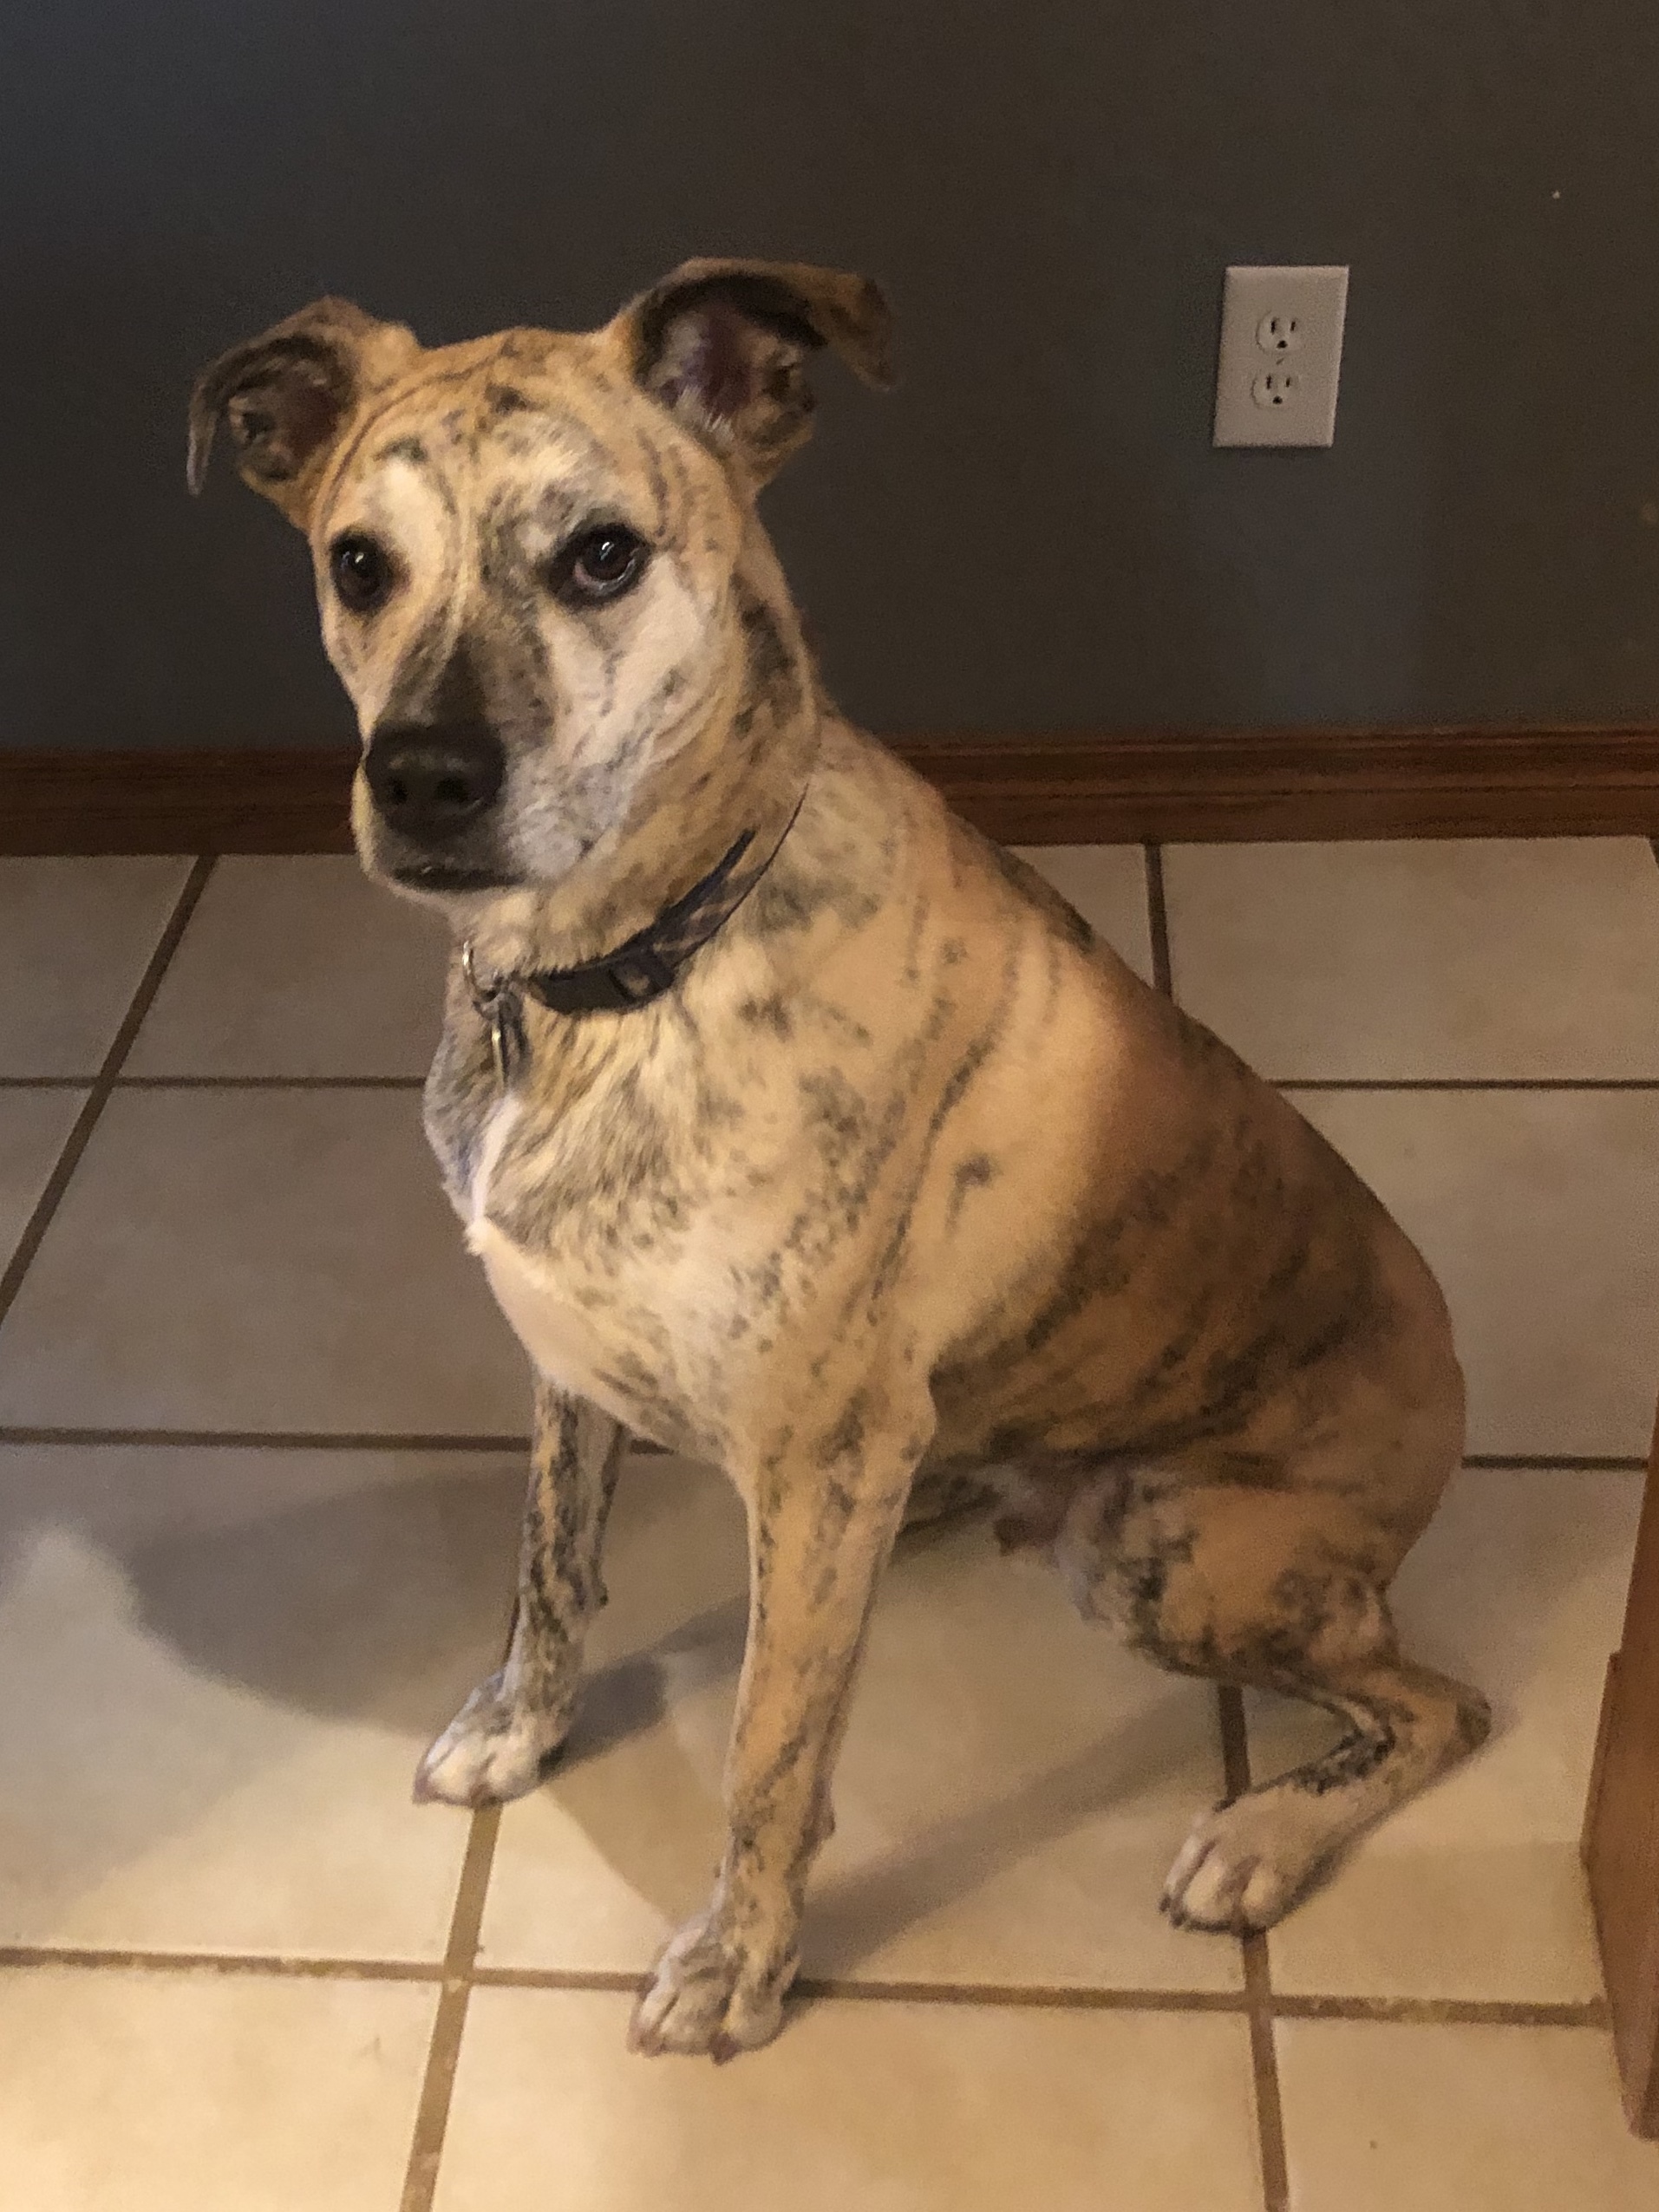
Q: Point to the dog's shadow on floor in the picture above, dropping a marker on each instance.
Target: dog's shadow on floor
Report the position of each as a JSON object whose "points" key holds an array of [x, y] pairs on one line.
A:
{"points": [[379, 1604]]}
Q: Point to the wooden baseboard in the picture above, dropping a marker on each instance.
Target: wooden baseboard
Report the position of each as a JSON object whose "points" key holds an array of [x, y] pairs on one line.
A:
{"points": [[1192, 786], [1224, 785], [176, 802]]}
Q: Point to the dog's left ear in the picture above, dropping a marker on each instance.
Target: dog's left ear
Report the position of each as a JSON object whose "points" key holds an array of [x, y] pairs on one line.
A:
{"points": [[287, 396], [724, 344]]}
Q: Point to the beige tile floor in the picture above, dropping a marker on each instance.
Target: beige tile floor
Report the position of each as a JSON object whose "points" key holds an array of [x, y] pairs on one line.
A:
{"points": [[259, 1472]]}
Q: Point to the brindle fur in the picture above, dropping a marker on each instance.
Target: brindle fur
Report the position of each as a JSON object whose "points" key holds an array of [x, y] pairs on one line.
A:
{"points": [[909, 1183]]}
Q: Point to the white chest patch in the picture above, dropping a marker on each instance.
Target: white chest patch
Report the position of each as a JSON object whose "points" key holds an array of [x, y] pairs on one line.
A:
{"points": [[560, 1339]]}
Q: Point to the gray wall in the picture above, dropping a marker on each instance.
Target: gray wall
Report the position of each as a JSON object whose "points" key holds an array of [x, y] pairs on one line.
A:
{"points": [[1034, 534]]}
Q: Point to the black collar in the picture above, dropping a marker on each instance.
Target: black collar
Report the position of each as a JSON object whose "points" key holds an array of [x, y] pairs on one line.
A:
{"points": [[637, 972]]}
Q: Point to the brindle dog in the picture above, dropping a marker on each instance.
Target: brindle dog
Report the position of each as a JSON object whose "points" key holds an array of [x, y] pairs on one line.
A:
{"points": [[900, 1173]]}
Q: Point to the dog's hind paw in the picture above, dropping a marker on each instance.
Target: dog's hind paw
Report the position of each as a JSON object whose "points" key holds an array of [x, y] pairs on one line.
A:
{"points": [[1245, 1864], [705, 1997], [490, 1751]]}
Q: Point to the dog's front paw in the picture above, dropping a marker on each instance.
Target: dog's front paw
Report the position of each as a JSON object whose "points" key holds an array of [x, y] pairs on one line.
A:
{"points": [[707, 1995], [1246, 1863], [493, 1749]]}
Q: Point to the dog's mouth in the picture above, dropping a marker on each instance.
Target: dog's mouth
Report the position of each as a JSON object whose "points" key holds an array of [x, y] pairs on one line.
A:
{"points": [[446, 876]]}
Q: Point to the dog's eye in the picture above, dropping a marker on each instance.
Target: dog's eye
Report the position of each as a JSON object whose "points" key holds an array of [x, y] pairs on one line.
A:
{"points": [[361, 571], [602, 563]]}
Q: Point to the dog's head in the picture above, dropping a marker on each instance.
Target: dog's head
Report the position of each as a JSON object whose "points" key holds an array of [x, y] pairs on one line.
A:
{"points": [[540, 574]]}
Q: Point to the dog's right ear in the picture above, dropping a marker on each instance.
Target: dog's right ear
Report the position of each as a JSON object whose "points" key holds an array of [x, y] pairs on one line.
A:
{"points": [[288, 395]]}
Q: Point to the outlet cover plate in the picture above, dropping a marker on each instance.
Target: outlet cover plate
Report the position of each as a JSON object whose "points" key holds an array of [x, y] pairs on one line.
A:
{"points": [[1281, 356]]}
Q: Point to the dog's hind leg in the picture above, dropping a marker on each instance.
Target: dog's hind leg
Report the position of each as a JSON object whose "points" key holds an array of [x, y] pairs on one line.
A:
{"points": [[1245, 1864], [499, 1743], [1277, 1590]]}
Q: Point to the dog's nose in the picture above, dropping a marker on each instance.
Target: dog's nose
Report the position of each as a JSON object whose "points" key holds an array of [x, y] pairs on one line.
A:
{"points": [[430, 784]]}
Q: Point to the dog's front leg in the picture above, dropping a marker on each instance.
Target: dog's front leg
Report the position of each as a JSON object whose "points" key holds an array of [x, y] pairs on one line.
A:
{"points": [[823, 1513], [498, 1744]]}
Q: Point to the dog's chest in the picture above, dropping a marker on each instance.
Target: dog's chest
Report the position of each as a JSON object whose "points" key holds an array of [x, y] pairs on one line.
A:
{"points": [[572, 1299], [537, 1299], [562, 1340]]}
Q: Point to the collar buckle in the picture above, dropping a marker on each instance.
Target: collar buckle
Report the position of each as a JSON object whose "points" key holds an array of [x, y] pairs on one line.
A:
{"points": [[638, 975]]}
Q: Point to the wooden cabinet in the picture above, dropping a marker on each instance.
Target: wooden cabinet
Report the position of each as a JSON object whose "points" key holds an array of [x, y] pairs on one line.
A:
{"points": [[1621, 1828]]}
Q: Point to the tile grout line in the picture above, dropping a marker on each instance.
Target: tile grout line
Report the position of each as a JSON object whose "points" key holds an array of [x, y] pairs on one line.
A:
{"points": [[1017, 1997], [414, 1083], [219, 1082], [368, 1441], [103, 1085], [1639, 1085], [449, 2021], [1459, 2012], [831, 1989], [1158, 918], [458, 1980], [1235, 1742], [1481, 1084], [258, 1440], [291, 1967], [1521, 1463], [1445, 2012], [1235, 1749], [1258, 1985]]}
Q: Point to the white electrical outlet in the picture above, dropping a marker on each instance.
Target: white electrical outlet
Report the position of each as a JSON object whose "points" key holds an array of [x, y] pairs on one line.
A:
{"points": [[1281, 356]]}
